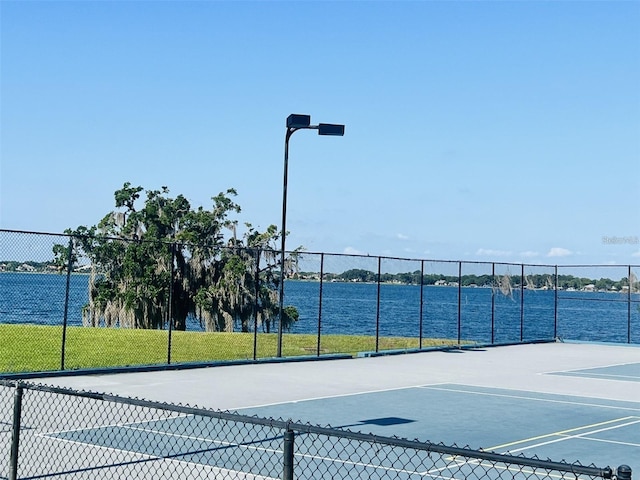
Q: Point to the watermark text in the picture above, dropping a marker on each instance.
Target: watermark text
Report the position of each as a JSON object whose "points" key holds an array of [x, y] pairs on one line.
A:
{"points": [[625, 240]]}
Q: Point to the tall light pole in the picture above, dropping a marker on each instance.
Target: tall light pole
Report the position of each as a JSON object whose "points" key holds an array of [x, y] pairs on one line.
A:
{"points": [[294, 123]]}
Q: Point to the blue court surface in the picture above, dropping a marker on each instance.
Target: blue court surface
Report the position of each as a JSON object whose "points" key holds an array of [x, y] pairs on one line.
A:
{"points": [[173, 439], [505, 421], [627, 372], [560, 402]]}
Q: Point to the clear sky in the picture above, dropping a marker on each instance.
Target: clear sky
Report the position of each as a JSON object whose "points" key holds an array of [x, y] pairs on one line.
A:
{"points": [[498, 131]]}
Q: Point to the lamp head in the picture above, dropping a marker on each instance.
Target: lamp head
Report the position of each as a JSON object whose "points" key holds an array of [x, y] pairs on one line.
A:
{"points": [[298, 121], [330, 129]]}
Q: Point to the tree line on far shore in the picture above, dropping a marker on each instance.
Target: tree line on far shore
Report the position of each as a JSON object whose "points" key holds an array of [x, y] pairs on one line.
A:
{"points": [[534, 281]]}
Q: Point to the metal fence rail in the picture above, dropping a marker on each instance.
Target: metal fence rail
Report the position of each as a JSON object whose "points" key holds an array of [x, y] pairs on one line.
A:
{"points": [[51, 431], [382, 303]]}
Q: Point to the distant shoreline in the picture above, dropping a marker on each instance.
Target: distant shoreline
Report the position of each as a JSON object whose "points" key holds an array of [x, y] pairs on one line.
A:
{"points": [[578, 284]]}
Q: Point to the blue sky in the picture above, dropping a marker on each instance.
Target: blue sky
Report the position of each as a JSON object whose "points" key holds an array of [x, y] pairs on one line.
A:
{"points": [[499, 131]]}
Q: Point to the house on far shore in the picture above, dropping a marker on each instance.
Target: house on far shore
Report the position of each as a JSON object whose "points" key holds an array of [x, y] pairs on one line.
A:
{"points": [[589, 288], [25, 268]]}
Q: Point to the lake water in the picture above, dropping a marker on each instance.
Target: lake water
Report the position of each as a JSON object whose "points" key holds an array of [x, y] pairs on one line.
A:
{"points": [[352, 308]]}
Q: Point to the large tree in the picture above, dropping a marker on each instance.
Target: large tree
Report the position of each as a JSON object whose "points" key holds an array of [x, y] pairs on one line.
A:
{"points": [[164, 261]]}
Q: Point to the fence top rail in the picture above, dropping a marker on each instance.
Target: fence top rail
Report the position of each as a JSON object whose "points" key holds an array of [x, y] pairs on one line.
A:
{"points": [[352, 255], [289, 425]]}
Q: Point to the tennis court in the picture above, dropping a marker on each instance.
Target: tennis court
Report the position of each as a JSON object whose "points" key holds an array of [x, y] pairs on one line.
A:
{"points": [[571, 402], [507, 421]]}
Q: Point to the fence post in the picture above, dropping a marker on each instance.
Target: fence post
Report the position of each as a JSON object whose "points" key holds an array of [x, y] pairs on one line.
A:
{"points": [[493, 303], [170, 302], [15, 432], [459, 303], [320, 302], [623, 472], [555, 303], [256, 281], [289, 459], [421, 299], [629, 305], [66, 303], [522, 302], [378, 306]]}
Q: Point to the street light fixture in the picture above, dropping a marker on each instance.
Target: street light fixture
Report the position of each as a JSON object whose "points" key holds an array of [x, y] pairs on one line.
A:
{"points": [[295, 122]]}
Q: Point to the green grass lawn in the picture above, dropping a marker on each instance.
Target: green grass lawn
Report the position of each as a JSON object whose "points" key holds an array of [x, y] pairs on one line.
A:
{"points": [[32, 348]]}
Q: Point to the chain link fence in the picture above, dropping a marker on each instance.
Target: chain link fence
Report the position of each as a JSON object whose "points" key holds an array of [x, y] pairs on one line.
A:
{"points": [[598, 307], [51, 302], [55, 432]]}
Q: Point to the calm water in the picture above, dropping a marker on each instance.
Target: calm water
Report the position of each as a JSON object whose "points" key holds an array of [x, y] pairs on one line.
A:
{"points": [[352, 308]]}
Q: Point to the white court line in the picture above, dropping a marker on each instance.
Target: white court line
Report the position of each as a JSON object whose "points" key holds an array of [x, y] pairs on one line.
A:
{"points": [[132, 426], [565, 436], [563, 432], [435, 473], [613, 442], [598, 375], [253, 448], [551, 372], [140, 457], [375, 467], [341, 395], [113, 425], [522, 397], [430, 473], [530, 472], [214, 441], [571, 437]]}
